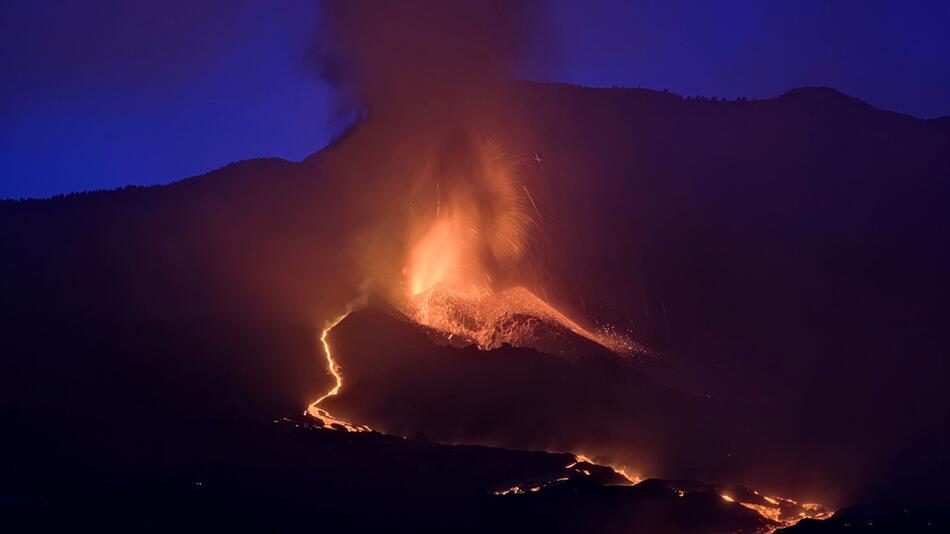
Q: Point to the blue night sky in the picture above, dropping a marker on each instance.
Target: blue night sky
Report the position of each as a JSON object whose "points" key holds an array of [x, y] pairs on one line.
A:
{"points": [[104, 93]]}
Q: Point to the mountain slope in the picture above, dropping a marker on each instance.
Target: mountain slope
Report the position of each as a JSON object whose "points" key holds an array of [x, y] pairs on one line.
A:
{"points": [[787, 252]]}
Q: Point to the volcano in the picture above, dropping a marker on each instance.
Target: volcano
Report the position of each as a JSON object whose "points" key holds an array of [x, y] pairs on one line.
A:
{"points": [[743, 293]]}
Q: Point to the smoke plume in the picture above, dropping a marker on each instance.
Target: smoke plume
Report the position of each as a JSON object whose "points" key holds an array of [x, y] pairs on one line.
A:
{"points": [[445, 188], [390, 55]]}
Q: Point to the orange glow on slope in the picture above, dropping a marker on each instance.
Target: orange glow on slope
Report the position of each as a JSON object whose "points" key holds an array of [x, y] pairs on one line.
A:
{"points": [[779, 511], [632, 479], [488, 319], [784, 512], [768, 512], [478, 318]]}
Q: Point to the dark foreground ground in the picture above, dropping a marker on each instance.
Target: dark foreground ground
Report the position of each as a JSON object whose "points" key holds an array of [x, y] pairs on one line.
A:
{"points": [[291, 475], [287, 475]]}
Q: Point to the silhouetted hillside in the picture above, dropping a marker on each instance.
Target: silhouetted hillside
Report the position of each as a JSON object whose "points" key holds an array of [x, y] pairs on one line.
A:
{"points": [[786, 252], [288, 475]]}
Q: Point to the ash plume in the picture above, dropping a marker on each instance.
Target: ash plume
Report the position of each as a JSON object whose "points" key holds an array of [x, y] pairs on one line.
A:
{"points": [[430, 80], [428, 53]]}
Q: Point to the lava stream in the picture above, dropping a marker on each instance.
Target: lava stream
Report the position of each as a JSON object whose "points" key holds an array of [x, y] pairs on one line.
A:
{"points": [[334, 368]]}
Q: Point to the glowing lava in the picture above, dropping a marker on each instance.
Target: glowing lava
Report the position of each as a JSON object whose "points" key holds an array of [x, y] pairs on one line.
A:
{"points": [[471, 229], [438, 258], [784, 512], [780, 512], [334, 369], [487, 320], [470, 218]]}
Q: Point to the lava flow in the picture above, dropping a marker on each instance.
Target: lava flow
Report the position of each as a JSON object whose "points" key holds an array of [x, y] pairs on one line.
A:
{"points": [[334, 369], [780, 512], [472, 228]]}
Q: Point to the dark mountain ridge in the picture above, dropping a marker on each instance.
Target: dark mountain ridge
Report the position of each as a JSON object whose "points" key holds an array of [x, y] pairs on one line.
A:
{"points": [[783, 252]]}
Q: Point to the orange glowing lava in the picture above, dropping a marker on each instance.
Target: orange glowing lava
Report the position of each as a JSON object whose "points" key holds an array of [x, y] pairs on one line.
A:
{"points": [[334, 369], [783, 512], [471, 227], [470, 218], [440, 257]]}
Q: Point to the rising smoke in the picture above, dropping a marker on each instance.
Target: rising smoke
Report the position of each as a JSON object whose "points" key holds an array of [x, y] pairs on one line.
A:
{"points": [[446, 186]]}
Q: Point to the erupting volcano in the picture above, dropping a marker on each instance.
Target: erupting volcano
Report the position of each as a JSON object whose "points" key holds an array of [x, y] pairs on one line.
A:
{"points": [[451, 292], [470, 243], [502, 306]]}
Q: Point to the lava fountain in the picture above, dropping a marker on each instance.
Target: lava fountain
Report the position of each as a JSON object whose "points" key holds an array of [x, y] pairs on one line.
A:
{"points": [[472, 223]]}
